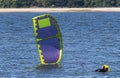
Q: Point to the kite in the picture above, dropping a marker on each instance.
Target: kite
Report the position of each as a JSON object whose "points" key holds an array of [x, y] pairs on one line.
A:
{"points": [[48, 39]]}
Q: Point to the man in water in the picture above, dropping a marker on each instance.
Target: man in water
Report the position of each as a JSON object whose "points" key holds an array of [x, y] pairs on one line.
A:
{"points": [[104, 68]]}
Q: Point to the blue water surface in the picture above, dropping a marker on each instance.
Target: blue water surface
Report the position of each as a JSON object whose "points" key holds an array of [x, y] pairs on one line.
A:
{"points": [[90, 39]]}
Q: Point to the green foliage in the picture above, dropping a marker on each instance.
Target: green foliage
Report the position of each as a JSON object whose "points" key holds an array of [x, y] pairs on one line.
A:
{"points": [[75, 3], [58, 3], [8, 3], [118, 3], [25, 3]]}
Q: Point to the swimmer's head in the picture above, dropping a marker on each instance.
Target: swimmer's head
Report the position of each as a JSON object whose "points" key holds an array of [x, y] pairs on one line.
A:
{"points": [[105, 66]]}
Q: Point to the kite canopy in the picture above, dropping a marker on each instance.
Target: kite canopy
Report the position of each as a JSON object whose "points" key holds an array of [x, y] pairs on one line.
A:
{"points": [[48, 39]]}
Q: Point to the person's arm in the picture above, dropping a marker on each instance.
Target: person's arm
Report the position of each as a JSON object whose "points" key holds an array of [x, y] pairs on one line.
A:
{"points": [[98, 70]]}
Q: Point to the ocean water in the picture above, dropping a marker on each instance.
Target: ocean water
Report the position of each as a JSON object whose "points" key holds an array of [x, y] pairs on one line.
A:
{"points": [[90, 39]]}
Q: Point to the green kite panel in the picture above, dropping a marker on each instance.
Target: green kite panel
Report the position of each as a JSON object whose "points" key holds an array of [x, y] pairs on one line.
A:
{"points": [[44, 23]]}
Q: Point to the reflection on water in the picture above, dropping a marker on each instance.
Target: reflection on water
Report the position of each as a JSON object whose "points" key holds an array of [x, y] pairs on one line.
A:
{"points": [[40, 67]]}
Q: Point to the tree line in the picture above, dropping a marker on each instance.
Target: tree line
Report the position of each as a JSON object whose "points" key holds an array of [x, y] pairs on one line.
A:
{"points": [[58, 3]]}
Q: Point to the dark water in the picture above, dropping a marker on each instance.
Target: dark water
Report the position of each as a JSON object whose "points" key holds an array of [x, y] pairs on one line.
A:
{"points": [[90, 39]]}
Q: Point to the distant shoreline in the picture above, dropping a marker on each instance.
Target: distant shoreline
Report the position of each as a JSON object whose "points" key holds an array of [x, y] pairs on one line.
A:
{"points": [[59, 10]]}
